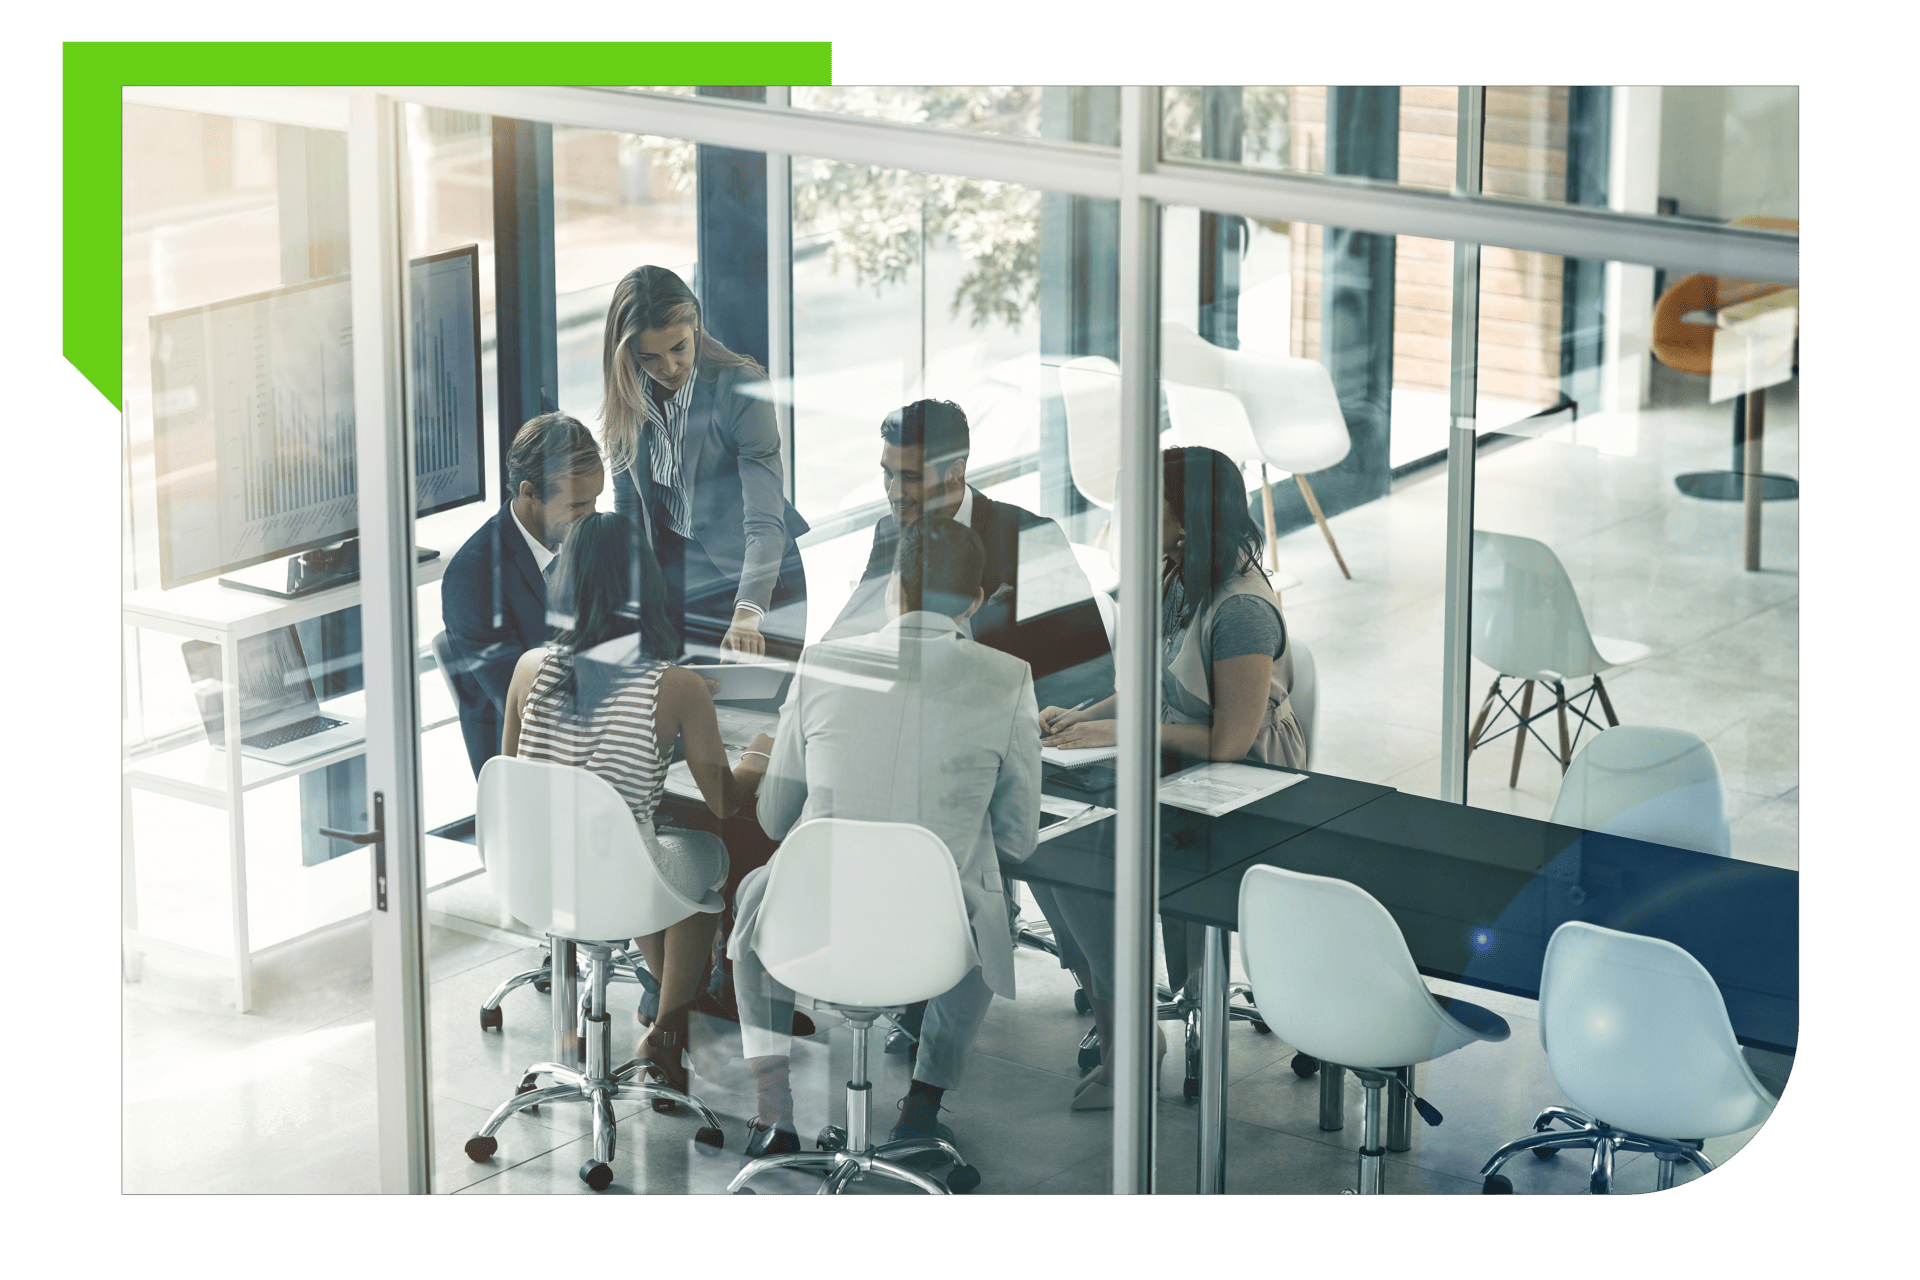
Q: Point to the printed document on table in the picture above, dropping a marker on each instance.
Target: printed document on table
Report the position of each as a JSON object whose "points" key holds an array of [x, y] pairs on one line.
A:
{"points": [[1062, 816], [1221, 787]]}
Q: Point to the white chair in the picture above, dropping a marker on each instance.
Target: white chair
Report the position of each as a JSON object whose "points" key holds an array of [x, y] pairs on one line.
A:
{"points": [[1635, 1030], [1528, 626], [565, 855], [1305, 694], [1652, 784], [1280, 411], [1333, 977], [866, 918]]}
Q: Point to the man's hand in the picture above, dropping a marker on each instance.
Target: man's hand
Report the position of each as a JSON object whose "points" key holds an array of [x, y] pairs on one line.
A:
{"points": [[743, 641]]}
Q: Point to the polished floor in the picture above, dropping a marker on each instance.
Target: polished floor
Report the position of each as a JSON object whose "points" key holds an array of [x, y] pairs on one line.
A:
{"points": [[282, 1099]]}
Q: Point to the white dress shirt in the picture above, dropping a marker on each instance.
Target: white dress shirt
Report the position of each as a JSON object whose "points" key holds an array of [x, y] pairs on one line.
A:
{"points": [[541, 555]]}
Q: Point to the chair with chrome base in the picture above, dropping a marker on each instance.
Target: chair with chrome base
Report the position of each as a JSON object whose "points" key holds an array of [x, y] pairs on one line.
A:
{"points": [[567, 858], [1635, 1030], [1333, 976], [866, 918]]}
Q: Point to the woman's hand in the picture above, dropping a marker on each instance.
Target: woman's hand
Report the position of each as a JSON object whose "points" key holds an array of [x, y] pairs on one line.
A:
{"points": [[763, 743], [1054, 719], [1084, 733], [743, 640]]}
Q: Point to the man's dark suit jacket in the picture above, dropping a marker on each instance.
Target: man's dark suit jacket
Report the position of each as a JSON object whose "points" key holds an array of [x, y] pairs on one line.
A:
{"points": [[1056, 641], [493, 601]]}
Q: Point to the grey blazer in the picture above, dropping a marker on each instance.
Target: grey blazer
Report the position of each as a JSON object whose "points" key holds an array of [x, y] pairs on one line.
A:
{"points": [[736, 487], [916, 723]]}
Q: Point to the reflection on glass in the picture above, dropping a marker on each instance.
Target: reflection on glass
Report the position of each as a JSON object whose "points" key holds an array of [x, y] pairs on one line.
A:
{"points": [[1011, 109]]}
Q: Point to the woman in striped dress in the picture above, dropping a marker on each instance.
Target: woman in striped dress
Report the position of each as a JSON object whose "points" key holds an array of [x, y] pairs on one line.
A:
{"points": [[603, 695]]}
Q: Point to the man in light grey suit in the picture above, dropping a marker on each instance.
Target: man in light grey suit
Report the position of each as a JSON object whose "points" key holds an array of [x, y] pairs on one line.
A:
{"points": [[912, 723]]}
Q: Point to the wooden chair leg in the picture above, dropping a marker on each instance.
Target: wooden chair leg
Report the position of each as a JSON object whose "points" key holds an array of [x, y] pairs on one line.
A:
{"points": [[1520, 733], [1480, 722], [1313, 505], [1560, 711], [1266, 501], [1606, 703]]}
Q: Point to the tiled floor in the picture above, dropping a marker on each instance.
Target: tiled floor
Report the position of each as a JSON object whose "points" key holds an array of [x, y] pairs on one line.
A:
{"points": [[282, 1099]]}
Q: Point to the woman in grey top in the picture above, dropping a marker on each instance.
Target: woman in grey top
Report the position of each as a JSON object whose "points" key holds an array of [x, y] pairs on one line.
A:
{"points": [[1225, 678]]}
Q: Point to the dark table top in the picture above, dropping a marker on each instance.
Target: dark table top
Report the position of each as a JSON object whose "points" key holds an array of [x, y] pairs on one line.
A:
{"points": [[1477, 894]]}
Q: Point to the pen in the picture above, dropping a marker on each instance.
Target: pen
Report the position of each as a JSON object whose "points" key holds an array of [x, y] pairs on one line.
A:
{"points": [[1070, 710]]}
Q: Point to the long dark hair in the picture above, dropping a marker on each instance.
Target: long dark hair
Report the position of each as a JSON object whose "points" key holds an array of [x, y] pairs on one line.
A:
{"points": [[648, 298], [606, 585], [1209, 499]]}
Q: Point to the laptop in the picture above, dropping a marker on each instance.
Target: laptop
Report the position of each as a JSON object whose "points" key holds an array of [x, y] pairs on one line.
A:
{"points": [[280, 717]]}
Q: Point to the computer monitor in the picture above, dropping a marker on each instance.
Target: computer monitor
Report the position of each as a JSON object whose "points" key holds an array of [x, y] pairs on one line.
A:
{"points": [[253, 424]]}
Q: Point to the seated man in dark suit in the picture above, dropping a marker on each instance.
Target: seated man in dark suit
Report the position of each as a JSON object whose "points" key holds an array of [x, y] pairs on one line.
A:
{"points": [[493, 598], [1039, 605]]}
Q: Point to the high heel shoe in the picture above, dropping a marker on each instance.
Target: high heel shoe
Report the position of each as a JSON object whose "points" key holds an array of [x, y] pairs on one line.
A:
{"points": [[777, 1141], [1095, 1090], [662, 1052]]}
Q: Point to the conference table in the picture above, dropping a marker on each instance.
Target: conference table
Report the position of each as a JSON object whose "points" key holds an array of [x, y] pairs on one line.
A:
{"points": [[1476, 893]]}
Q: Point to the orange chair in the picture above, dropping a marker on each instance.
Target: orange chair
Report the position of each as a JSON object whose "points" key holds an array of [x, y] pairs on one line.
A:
{"points": [[1679, 344]]}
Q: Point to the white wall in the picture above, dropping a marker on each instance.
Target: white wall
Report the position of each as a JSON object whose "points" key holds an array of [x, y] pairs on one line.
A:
{"points": [[1730, 151]]}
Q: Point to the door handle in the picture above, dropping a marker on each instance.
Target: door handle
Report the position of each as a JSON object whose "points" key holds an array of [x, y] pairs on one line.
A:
{"points": [[378, 839]]}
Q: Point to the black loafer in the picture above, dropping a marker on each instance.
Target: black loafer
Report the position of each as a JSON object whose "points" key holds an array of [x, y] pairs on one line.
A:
{"points": [[899, 1042], [771, 1142]]}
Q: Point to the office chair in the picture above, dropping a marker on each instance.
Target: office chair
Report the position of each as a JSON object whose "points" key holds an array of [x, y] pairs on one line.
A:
{"points": [[566, 856], [626, 967], [1635, 1030], [1528, 626], [1333, 975], [1661, 785], [866, 918]]}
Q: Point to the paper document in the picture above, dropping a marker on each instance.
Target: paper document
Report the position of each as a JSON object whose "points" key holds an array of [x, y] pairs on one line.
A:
{"points": [[1221, 787], [1059, 816], [1071, 756]]}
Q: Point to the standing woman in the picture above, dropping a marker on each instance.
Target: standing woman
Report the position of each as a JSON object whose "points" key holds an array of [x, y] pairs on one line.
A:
{"points": [[695, 455], [1226, 673]]}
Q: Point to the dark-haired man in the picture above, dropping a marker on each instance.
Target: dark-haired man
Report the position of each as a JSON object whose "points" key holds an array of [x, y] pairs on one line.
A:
{"points": [[493, 598], [910, 723], [1039, 606]]}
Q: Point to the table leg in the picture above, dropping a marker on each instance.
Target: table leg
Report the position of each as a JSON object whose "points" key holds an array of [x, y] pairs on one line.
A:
{"points": [[1333, 1096], [1213, 1064], [130, 956], [236, 823], [565, 997], [1400, 1112], [1754, 478]]}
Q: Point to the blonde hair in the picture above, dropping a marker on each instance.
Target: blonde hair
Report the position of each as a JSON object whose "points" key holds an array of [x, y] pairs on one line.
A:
{"points": [[648, 298]]}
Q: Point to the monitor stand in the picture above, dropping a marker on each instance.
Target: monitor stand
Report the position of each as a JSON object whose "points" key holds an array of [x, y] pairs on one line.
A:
{"points": [[309, 572]]}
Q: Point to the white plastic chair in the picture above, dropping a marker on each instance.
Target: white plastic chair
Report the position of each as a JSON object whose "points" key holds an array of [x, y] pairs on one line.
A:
{"points": [[1280, 411], [1528, 626], [1305, 694], [1635, 1030], [1645, 783], [1332, 975], [564, 855], [866, 918]]}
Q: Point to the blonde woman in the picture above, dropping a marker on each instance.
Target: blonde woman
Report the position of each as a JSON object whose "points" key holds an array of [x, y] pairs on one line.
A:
{"points": [[695, 457]]}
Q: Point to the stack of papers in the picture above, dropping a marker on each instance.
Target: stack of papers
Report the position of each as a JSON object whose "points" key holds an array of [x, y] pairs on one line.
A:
{"points": [[1221, 787], [1071, 756], [1059, 816]]}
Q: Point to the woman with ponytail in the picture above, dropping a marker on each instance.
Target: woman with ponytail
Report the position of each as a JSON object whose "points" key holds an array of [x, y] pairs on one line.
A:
{"points": [[695, 456]]}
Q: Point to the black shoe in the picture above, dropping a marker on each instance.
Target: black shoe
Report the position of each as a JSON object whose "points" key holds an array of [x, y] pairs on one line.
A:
{"points": [[771, 1142], [898, 1042]]}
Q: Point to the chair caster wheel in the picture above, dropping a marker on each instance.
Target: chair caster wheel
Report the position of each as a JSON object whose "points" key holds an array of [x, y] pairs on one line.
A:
{"points": [[1497, 1184], [746, 1191], [1089, 1057], [1545, 1153], [528, 1083], [1598, 1186], [665, 1106], [596, 1175], [480, 1150], [1189, 1088], [544, 987], [709, 1141], [1081, 1004], [1261, 1028], [963, 1179], [832, 1138], [491, 1019], [1304, 1066]]}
